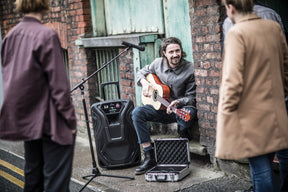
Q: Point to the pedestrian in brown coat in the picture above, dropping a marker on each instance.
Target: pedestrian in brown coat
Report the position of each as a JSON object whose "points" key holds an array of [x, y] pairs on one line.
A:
{"points": [[252, 119]]}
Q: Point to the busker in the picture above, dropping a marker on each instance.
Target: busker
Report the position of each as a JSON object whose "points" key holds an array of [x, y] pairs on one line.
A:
{"points": [[174, 71]]}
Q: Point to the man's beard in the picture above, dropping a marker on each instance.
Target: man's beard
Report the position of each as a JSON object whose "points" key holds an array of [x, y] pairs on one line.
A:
{"points": [[175, 60]]}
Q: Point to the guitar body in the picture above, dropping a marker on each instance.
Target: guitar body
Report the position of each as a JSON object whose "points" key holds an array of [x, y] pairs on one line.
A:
{"points": [[160, 97], [161, 89]]}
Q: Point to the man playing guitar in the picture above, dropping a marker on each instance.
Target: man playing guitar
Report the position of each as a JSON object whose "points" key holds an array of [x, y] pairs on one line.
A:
{"points": [[177, 74]]}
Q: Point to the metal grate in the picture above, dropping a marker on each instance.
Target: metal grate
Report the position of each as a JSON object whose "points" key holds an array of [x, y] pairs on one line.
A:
{"points": [[108, 74], [66, 61]]}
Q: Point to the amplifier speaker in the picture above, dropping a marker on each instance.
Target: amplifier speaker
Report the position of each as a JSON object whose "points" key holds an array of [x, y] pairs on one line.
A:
{"points": [[115, 136]]}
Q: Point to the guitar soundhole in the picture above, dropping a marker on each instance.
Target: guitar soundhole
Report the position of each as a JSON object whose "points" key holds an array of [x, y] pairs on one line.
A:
{"points": [[155, 95]]}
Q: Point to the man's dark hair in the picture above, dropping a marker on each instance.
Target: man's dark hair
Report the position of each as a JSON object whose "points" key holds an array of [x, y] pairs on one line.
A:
{"points": [[168, 41]]}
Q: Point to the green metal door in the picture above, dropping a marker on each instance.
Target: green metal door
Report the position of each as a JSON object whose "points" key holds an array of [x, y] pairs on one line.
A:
{"points": [[177, 23], [156, 19], [113, 17]]}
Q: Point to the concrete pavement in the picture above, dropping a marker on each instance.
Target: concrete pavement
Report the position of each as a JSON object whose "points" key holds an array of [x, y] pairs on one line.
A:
{"points": [[83, 166], [202, 174]]}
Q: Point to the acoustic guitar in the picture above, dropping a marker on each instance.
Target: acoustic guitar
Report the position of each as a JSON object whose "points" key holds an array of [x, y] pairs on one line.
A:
{"points": [[160, 97]]}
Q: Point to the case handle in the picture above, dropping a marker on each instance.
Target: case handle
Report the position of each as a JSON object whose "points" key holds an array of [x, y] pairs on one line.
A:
{"points": [[110, 83], [161, 177]]}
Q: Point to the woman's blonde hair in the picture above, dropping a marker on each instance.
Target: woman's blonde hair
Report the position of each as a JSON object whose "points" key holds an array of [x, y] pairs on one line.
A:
{"points": [[242, 6], [28, 6]]}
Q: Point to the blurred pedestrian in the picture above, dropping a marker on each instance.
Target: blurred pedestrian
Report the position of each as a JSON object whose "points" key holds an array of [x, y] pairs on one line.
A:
{"points": [[37, 107], [252, 118], [268, 13], [261, 11]]}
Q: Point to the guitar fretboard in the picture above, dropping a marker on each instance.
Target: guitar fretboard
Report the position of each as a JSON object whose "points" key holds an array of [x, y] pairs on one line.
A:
{"points": [[164, 102]]}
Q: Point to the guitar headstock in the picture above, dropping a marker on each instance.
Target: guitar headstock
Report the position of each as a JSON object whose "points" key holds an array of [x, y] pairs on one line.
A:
{"points": [[183, 114]]}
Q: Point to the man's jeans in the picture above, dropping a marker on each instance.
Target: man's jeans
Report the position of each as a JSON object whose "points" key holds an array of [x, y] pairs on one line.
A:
{"points": [[262, 174], [142, 114], [282, 156]]}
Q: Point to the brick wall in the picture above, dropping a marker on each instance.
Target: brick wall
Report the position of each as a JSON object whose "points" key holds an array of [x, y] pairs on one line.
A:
{"points": [[78, 12], [8, 16], [127, 76], [206, 21]]}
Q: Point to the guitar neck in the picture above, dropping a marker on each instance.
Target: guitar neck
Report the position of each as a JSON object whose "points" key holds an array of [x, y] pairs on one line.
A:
{"points": [[164, 102], [183, 114]]}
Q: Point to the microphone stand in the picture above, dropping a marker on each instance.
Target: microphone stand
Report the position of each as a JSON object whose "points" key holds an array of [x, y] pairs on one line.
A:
{"points": [[95, 170]]}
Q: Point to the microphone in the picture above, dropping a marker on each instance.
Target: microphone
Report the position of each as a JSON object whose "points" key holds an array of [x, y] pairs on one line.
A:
{"points": [[140, 48]]}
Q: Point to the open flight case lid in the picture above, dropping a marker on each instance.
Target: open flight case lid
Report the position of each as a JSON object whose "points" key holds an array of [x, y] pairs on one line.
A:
{"points": [[173, 151]]}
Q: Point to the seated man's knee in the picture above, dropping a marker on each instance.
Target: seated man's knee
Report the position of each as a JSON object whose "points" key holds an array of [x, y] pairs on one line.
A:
{"points": [[136, 113]]}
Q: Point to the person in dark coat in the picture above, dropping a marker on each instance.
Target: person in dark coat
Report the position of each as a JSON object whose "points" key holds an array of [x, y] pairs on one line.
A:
{"points": [[37, 107]]}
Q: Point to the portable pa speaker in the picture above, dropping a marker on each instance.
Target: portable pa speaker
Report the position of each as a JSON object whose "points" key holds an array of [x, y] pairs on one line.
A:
{"points": [[115, 136]]}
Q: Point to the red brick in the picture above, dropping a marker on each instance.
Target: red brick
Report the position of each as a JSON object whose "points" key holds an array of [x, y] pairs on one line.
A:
{"points": [[200, 12], [210, 99], [81, 24], [125, 82], [202, 73], [214, 91], [214, 73]]}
